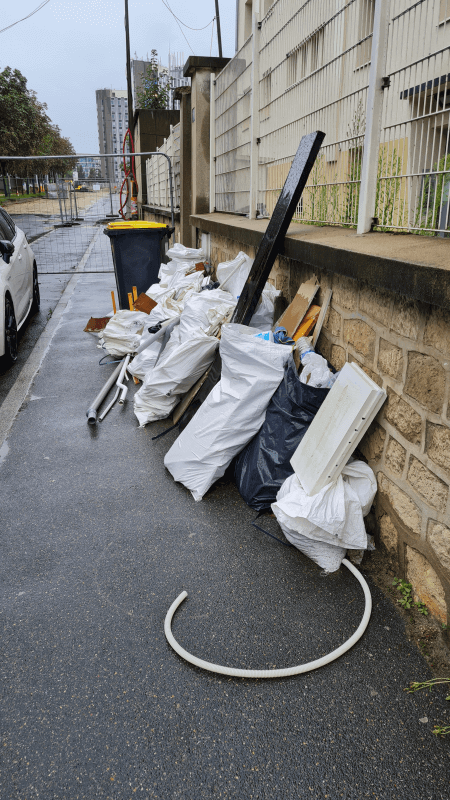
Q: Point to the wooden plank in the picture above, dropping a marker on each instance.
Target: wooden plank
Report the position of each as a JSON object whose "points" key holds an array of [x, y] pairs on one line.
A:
{"points": [[295, 312], [188, 398], [307, 323], [321, 320]]}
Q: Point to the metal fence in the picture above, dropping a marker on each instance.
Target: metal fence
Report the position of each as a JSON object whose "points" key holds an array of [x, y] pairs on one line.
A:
{"points": [[323, 65], [157, 172]]}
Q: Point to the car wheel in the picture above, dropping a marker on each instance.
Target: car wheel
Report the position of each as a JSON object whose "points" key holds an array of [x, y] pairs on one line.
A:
{"points": [[36, 293], [10, 332]]}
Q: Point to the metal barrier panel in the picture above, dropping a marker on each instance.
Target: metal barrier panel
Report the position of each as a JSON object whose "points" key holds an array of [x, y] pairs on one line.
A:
{"points": [[314, 68], [63, 218], [232, 133], [414, 158]]}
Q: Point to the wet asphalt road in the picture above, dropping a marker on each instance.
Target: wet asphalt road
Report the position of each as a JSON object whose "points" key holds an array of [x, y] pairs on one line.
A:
{"points": [[97, 541]]}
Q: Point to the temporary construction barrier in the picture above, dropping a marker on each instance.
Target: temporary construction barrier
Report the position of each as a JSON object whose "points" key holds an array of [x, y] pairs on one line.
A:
{"points": [[324, 525], [337, 428], [233, 411], [264, 464]]}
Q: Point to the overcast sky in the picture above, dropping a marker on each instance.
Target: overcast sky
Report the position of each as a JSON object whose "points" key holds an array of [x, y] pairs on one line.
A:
{"points": [[72, 47]]}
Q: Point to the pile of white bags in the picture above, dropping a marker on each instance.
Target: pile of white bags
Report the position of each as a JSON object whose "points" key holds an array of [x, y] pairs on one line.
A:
{"points": [[232, 276], [323, 526], [187, 355], [122, 334], [232, 413]]}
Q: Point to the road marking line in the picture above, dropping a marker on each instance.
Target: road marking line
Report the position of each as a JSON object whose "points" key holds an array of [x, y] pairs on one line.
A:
{"points": [[18, 392]]}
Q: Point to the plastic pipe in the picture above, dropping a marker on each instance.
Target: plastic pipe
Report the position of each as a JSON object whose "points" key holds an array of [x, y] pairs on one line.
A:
{"points": [[273, 673], [109, 407], [120, 380], [153, 337], [91, 413]]}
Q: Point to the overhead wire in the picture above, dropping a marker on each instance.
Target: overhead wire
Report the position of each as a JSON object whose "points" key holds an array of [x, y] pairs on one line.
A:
{"points": [[183, 23], [44, 3]]}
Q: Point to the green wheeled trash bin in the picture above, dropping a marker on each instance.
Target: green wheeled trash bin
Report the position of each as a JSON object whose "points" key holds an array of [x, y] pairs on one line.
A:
{"points": [[137, 250]]}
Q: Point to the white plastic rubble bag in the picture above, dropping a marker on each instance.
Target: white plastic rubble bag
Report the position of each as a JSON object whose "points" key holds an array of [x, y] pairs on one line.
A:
{"points": [[181, 253], [122, 334], [143, 362], [323, 526], [232, 413], [175, 373], [232, 276]]}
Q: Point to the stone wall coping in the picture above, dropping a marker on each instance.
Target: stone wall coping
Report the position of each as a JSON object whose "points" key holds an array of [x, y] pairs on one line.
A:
{"points": [[163, 212], [417, 267], [213, 63]]}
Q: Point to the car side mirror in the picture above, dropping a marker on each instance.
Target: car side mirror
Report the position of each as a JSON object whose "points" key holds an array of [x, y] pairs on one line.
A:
{"points": [[6, 250]]}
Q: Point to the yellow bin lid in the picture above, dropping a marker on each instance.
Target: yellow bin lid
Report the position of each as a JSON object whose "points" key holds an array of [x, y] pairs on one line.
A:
{"points": [[133, 224]]}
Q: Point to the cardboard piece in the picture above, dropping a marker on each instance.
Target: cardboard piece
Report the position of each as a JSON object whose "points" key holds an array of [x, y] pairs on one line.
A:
{"points": [[295, 312], [97, 324], [144, 303]]}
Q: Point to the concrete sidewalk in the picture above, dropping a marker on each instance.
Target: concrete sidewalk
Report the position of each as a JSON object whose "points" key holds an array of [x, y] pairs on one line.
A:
{"points": [[97, 541]]}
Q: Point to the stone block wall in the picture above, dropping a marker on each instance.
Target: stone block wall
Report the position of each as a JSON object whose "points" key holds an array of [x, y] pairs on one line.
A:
{"points": [[162, 217], [403, 346]]}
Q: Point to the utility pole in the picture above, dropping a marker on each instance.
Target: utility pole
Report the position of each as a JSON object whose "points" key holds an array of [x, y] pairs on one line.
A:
{"points": [[129, 86], [130, 98], [219, 35]]}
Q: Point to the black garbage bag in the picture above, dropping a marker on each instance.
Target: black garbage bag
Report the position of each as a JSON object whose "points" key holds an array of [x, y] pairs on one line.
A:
{"points": [[263, 466]]}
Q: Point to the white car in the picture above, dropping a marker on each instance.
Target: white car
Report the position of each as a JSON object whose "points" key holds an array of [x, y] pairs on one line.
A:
{"points": [[19, 285]]}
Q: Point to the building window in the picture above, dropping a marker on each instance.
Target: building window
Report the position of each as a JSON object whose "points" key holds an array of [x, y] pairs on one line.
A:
{"points": [[316, 47]]}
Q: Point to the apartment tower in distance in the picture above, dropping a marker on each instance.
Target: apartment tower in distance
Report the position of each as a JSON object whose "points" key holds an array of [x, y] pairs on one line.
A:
{"points": [[112, 121]]}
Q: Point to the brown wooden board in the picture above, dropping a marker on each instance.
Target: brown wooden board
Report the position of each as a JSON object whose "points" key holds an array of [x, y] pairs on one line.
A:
{"points": [[97, 324], [322, 316], [295, 312], [144, 303], [188, 398]]}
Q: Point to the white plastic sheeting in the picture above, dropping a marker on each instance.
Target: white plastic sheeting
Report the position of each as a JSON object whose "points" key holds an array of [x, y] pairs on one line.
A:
{"points": [[324, 525], [122, 334], [232, 276], [182, 253], [233, 411], [143, 362], [175, 373]]}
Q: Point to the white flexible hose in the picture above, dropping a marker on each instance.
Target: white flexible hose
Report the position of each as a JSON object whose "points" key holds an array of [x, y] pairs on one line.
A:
{"points": [[272, 673]]}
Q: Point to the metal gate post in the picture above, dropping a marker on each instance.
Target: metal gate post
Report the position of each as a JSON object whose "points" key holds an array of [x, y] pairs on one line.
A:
{"points": [[212, 145], [110, 195], [369, 169], [58, 192], [254, 115]]}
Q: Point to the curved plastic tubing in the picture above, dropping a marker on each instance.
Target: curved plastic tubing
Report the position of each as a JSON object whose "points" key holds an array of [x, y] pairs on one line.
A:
{"points": [[109, 407], [121, 378], [272, 673]]}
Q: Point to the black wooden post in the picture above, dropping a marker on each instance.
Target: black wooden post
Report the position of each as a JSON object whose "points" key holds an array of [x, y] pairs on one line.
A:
{"points": [[268, 250]]}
